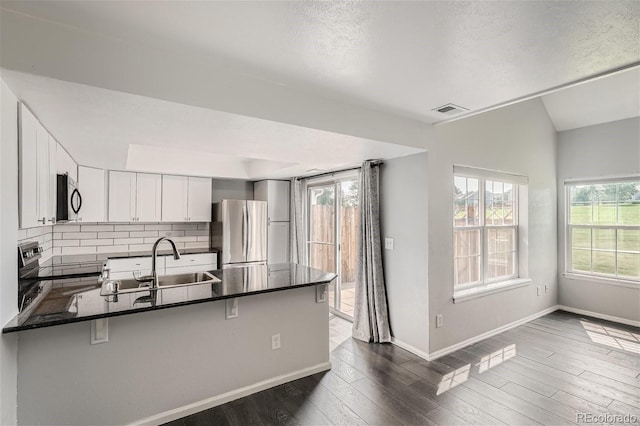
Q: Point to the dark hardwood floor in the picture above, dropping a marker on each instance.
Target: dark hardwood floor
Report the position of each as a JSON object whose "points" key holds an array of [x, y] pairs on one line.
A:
{"points": [[555, 370]]}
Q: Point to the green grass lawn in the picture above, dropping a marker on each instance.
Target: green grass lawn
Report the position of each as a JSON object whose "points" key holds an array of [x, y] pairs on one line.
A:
{"points": [[604, 262]]}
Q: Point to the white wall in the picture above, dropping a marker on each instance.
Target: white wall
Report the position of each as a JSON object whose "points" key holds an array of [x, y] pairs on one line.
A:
{"points": [[403, 217], [602, 150], [8, 240], [229, 189], [161, 360], [519, 139]]}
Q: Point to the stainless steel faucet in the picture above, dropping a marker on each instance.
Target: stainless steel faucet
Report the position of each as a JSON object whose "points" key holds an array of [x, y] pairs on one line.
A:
{"points": [[153, 278]]}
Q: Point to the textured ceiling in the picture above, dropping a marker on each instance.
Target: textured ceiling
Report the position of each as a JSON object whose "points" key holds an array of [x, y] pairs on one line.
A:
{"points": [[357, 78], [404, 57]]}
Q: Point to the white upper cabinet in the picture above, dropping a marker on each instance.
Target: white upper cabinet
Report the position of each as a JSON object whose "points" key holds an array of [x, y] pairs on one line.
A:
{"points": [[148, 197], [28, 169], [37, 172], [134, 197], [174, 198], [186, 199], [122, 196], [199, 200], [66, 164], [276, 194], [91, 184]]}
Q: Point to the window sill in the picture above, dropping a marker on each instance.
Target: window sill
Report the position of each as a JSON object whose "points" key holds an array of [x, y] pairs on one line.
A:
{"points": [[601, 280], [485, 290]]}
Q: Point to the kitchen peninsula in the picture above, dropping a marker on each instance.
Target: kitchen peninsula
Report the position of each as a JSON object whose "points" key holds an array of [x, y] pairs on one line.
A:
{"points": [[182, 343]]}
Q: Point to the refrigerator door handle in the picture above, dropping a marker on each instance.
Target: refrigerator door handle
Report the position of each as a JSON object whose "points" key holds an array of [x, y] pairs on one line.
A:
{"points": [[244, 232], [249, 226]]}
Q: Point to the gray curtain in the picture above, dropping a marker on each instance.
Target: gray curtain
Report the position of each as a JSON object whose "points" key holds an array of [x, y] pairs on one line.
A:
{"points": [[371, 316], [296, 232]]}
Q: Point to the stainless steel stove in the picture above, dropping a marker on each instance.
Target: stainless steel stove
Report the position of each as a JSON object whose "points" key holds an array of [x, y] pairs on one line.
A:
{"points": [[33, 276]]}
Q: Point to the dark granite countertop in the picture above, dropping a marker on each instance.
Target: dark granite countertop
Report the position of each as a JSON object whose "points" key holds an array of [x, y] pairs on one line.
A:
{"points": [[62, 302], [161, 252]]}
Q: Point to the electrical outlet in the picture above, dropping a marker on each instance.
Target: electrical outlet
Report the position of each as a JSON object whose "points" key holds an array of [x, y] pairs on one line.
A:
{"points": [[438, 321], [546, 288], [321, 293], [538, 290], [388, 243], [231, 308], [275, 342]]}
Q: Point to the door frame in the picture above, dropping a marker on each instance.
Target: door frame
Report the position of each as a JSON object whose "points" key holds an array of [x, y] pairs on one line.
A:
{"points": [[335, 180]]}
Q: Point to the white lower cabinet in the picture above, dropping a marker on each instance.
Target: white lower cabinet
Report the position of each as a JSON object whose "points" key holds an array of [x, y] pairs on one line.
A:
{"points": [[124, 268]]}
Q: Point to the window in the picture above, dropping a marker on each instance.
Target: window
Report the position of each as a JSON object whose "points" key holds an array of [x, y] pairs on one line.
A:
{"points": [[603, 232], [485, 221]]}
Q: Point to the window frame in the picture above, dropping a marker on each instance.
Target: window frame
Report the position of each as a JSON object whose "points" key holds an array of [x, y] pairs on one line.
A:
{"points": [[484, 228], [568, 235]]}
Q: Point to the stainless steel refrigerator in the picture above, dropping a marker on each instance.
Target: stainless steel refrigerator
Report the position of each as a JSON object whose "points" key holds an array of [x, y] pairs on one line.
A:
{"points": [[239, 231]]}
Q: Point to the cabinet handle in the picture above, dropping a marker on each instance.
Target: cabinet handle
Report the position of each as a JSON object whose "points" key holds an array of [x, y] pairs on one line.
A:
{"points": [[42, 221], [53, 219]]}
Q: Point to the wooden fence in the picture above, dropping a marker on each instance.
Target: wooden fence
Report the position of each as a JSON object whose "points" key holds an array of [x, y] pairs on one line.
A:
{"points": [[322, 256]]}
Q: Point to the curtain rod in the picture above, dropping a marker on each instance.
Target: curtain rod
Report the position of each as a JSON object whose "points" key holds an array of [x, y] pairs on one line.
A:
{"points": [[374, 164]]}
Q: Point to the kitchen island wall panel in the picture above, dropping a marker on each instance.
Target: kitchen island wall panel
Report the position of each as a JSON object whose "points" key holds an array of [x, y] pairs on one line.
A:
{"points": [[190, 353]]}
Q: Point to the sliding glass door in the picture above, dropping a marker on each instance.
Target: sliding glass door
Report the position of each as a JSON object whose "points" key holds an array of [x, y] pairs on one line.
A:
{"points": [[334, 220]]}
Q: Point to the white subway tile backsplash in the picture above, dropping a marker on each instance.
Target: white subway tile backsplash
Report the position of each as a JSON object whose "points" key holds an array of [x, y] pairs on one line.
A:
{"points": [[128, 228], [96, 228], [103, 242], [199, 244], [78, 250], [113, 249], [196, 233], [98, 240], [66, 228], [120, 234], [157, 227], [184, 226], [144, 234], [140, 247], [66, 243], [79, 235], [121, 241], [78, 258]]}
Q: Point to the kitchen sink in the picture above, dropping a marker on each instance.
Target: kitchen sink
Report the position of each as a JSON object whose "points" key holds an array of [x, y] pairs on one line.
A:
{"points": [[164, 281]]}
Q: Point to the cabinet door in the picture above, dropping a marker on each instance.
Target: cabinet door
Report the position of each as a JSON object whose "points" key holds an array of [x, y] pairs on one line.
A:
{"points": [[122, 196], [278, 200], [28, 169], [149, 197], [199, 200], [174, 198], [91, 184], [53, 188], [43, 173], [278, 242]]}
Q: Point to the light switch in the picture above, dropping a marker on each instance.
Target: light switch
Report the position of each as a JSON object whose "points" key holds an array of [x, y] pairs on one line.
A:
{"points": [[388, 243]]}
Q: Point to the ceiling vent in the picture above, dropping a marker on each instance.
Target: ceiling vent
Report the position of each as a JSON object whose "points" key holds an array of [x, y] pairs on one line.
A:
{"points": [[450, 109]]}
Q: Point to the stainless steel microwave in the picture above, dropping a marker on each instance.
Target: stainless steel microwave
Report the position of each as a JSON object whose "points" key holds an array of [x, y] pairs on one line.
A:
{"points": [[69, 200]]}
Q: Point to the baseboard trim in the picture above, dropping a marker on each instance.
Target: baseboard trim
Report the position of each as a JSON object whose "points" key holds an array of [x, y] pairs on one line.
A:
{"points": [[490, 333], [407, 347], [599, 315], [214, 401]]}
